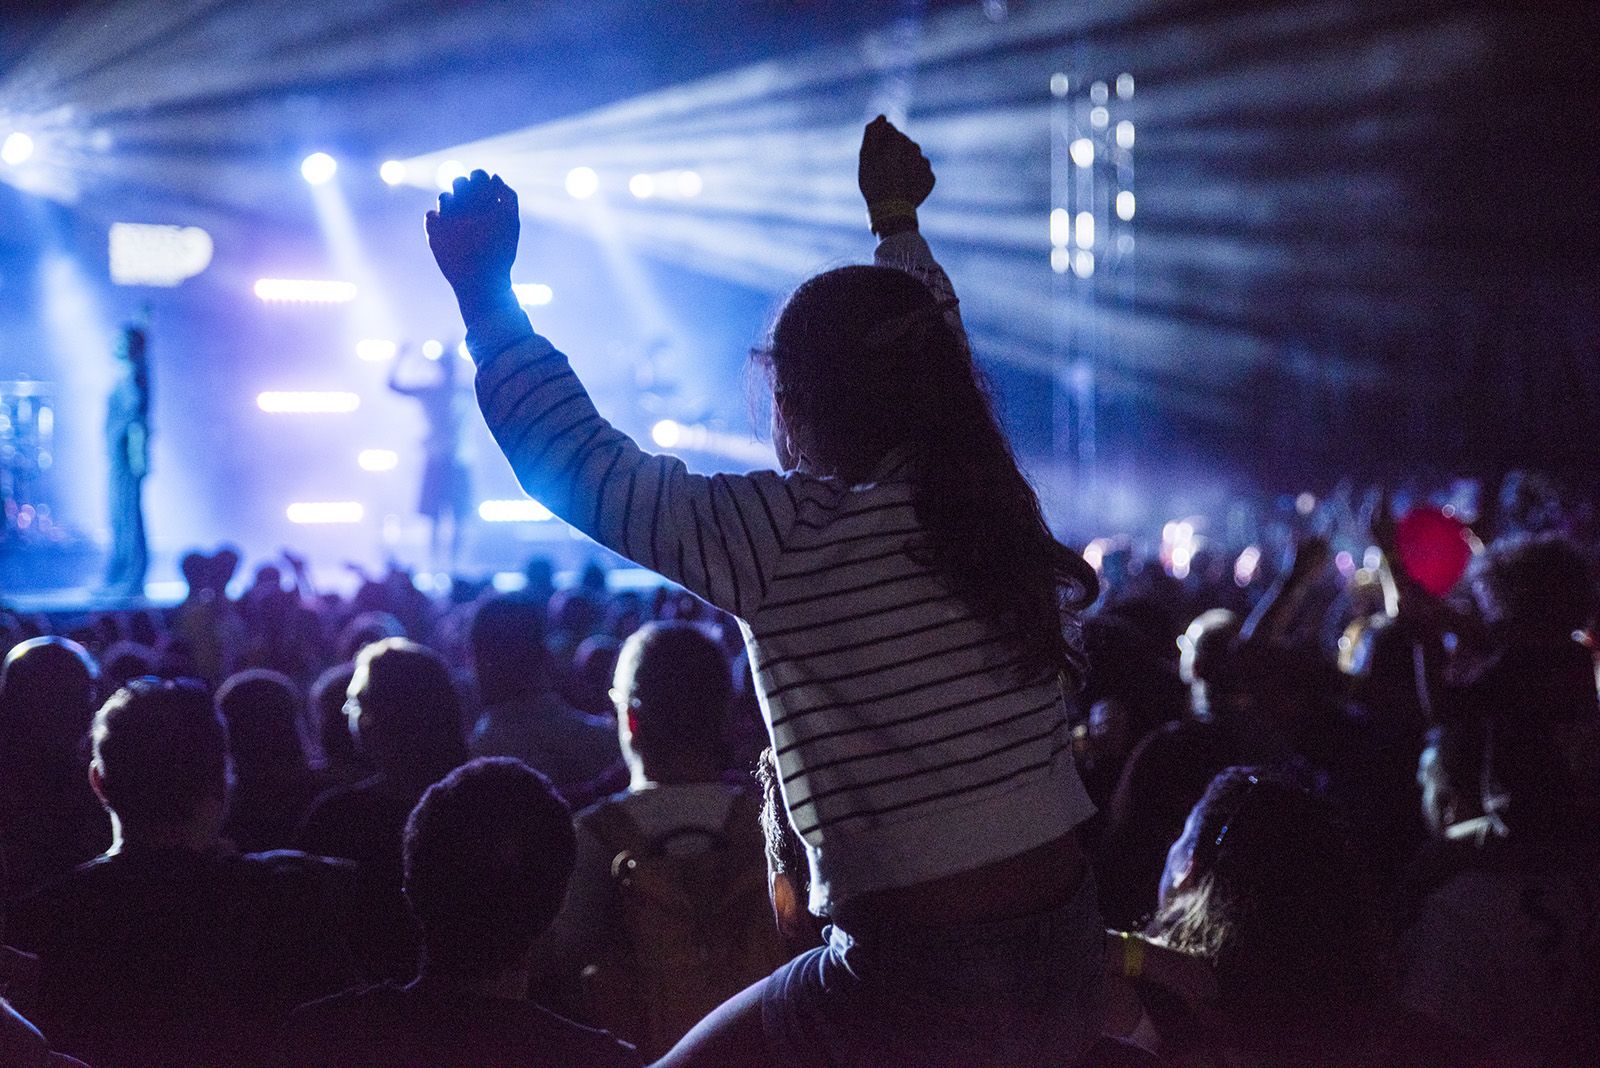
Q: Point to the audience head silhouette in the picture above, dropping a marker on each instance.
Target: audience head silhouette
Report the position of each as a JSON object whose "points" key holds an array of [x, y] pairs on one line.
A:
{"points": [[672, 688], [488, 852], [508, 649], [262, 712], [161, 763], [1264, 885], [47, 691], [405, 713]]}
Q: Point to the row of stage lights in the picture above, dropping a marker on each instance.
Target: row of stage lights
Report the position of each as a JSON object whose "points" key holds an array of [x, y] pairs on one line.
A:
{"points": [[319, 168], [334, 513], [581, 183], [1073, 237], [666, 433]]}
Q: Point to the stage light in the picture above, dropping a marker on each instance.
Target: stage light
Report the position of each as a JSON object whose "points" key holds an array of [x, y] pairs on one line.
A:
{"points": [[325, 512], [17, 148], [432, 348], [1059, 85], [447, 172], [1099, 92], [642, 186], [1124, 244], [1125, 205], [1094, 554], [1124, 86], [378, 459], [1244, 569], [1083, 263], [318, 168], [393, 172], [1082, 152], [1060, 260], [375, 350], [1060, 227], [1099, 118], [667, 433], [521, 510], [307, 402], [689, 183], [143, 254], [582, 183], [304, 291], [509, 582], [532, 294], [1124, 134], [1083, 229], [462, 350]]}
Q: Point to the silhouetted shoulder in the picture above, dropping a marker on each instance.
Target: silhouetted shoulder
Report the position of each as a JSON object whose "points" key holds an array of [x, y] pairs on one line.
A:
{"points": [[391, 1024]]}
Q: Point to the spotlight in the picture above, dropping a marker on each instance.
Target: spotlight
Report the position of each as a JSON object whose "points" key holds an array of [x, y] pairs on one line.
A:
{"points": [[378, 459], [1083, 228], [393, 172], [433, 348], [1099, 117], [1060, 260], [1083, 263], [462, 350], [582, 183], [1124, 134], [17, 149], [375, 350], [1082, 152], [1124, 86], [325, 512], [307, 402], [318, 168], [1125, 205], [447, 173], [689, 183], [522, 510], [145, 254], [304, 291], [531, 294], [1060, 227], [1059, 84], [642, 186], [666, 433]]}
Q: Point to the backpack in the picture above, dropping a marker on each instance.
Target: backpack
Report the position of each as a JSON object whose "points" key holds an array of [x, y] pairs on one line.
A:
{"points": [[694, 931]]}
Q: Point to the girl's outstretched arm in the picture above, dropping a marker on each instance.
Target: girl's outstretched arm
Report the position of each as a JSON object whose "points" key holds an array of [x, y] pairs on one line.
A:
{"points": [[719, 536]]}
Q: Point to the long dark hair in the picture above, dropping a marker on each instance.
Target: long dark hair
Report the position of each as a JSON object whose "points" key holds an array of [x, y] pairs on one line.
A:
{"points": [[864, 365]]}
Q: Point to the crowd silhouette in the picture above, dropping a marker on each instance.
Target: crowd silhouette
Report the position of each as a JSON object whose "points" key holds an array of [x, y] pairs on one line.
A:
{"points": [[885, 774]]}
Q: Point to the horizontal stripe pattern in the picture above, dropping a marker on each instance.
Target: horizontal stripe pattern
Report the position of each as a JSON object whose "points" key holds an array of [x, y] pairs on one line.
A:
{"points": [[889, 702]]}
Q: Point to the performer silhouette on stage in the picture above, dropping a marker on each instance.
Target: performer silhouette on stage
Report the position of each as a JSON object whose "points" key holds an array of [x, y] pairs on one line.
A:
{"points": [[128, 441], [446, 496]]}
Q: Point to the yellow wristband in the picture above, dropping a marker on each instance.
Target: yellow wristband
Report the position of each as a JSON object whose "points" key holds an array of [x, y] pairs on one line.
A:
{"points": [[882, 211], [1132, 955]]}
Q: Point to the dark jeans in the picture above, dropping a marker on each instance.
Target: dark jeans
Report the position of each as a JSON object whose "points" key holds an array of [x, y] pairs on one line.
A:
{"points": [[1016, 992]]}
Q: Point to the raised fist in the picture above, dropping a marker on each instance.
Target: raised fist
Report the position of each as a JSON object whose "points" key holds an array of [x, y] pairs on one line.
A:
{"points": [[892, 167], [473, 235]]}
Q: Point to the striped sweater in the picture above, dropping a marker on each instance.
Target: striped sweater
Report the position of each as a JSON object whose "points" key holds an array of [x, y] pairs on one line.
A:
{"points": [[908, 746]]}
